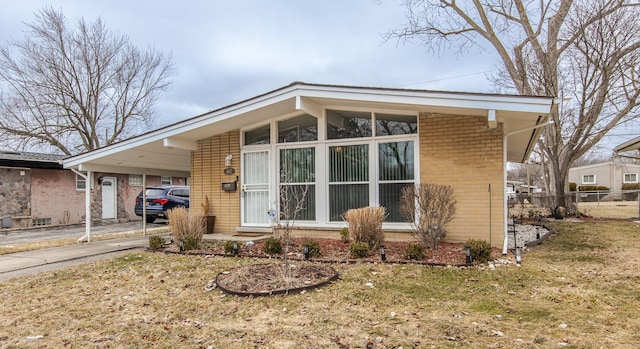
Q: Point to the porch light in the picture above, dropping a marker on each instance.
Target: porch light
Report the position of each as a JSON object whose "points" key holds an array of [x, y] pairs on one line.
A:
{"points": [[227, 160], [518, 256], [383, 255], [235, 247], [306, 251], [467, 253]]}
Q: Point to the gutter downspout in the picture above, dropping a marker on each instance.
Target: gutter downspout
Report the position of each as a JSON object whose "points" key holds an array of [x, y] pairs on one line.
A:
{"points": [[87, 205], [504, 173]]}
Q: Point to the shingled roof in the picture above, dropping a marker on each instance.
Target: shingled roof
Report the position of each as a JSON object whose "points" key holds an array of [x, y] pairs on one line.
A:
{"points": [[10, 158]]}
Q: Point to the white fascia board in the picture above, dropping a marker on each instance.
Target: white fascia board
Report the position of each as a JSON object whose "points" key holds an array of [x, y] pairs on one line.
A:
{"points": [[132, 170], [631, 145], [526, 104], [591, 166], [181, 127]]}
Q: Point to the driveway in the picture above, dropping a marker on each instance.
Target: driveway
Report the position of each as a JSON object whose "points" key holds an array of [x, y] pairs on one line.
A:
{"points": [[31, 262], [18, 236]]}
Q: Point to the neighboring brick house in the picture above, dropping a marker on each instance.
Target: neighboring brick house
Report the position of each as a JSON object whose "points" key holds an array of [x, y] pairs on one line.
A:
{"points": [[36, 190], [351, 146]]}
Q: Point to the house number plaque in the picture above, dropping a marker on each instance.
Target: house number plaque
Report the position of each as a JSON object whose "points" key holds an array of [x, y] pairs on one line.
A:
{"points": [[229, 171]]}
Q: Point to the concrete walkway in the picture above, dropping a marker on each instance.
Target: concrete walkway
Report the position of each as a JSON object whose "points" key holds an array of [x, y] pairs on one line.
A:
{"points": [[31, 262]]}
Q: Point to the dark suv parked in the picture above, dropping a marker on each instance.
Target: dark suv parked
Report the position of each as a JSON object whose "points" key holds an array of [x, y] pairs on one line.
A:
{"points": [[160, 199]]}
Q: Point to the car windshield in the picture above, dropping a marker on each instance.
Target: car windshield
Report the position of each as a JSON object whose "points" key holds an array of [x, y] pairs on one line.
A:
{"points": [[154, 192]]}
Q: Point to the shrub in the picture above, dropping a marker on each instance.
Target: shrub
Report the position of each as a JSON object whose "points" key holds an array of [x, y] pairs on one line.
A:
{"points": [[435, 208], [186, 226], [414, 251], [190, 243], [228, 246], [480, 250], [344, 234], [572, 186], [314, 248], [156, 242], [593, 188], [272, 246], [365, 225], [359, 249], [630, 186]]}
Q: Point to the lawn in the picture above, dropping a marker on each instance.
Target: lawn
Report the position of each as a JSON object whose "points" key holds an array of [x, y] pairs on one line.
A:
{"points": [[577, 290]]}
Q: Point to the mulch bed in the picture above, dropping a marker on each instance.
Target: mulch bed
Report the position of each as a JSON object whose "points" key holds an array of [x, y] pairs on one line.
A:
{"points": [[264, 279], [337, 251]]}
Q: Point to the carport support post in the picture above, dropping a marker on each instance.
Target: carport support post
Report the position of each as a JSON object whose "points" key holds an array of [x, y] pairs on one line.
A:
{"points": [[144, 205], [87, 206]]}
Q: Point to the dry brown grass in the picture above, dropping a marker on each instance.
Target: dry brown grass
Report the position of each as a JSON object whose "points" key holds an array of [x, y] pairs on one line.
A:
{"points": [[585, 277], [610, 209]]}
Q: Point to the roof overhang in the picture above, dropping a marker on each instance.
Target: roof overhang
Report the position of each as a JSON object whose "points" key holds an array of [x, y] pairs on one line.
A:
{"points": [[167, 151], [631, 145]]}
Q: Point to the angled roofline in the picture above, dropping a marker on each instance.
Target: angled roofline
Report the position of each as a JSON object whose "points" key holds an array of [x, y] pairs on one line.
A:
{"points": [[531, 104]]}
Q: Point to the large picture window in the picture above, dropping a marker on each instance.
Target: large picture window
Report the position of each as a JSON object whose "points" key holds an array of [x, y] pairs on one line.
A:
{"points": [[348, 124], [396, 171], [348, 179], [297, 183]]}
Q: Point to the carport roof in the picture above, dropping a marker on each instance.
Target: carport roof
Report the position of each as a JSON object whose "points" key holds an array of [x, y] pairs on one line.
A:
{"points": [[166, 151]]}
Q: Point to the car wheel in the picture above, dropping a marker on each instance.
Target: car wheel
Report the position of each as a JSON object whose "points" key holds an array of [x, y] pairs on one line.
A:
{"points": [[150, 219]]}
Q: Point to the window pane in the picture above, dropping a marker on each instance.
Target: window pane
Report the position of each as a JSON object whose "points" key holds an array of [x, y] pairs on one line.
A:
{"points": [[348, 124], [349, 163], [396, 161], [346, 196], [297, 197], [298, 129], [165, 180], [261, 135], [299, 164], [135, 179], [389, 124], [390, 196]]}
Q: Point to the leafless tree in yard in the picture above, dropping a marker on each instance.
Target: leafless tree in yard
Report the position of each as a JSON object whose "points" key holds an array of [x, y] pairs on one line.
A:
{"points": [[293, 196], [72, 89], [586, 50], [429, 208]]}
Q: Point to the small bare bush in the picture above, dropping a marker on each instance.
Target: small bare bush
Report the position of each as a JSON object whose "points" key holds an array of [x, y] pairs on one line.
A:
{"points": [[428, 208], [365, 225], [186, 227]]}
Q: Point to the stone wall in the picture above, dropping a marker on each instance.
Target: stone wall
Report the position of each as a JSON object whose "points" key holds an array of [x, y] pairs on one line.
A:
{"points": [[15, 192]]}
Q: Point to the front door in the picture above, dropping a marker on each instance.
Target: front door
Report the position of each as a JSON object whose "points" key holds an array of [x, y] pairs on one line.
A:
{"points": [[255, 188], [109, 190]]}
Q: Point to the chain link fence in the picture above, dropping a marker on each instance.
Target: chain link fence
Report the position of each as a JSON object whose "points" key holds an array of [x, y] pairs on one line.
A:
{"points": [[623, 204]]}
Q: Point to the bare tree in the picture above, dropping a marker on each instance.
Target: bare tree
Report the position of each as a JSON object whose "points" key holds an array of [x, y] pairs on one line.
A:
{"points": [[586, 50], [429, 208], [76, 88]]}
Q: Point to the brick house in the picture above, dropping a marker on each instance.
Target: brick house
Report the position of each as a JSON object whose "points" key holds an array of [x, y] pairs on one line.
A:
{"points": [[351, 146], [36, 190]]}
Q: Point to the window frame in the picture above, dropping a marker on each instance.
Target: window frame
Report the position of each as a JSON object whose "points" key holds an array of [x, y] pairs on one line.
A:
{"points": [[80, 180], [322, 146], [586, 182], [163, 180], [624, 177]]}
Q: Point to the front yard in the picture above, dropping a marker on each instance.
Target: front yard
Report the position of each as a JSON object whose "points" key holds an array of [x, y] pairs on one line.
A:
{"points": [[579, 289]]}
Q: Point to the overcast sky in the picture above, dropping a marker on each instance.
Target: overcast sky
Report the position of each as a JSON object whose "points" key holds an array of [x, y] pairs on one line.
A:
{"points": [[227, 51]]}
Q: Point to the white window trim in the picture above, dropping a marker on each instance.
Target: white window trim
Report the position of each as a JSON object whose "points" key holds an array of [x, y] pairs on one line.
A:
{"points": [[170, 180], [79, 179], [322, 160], [624, 177], [595, 181]]}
